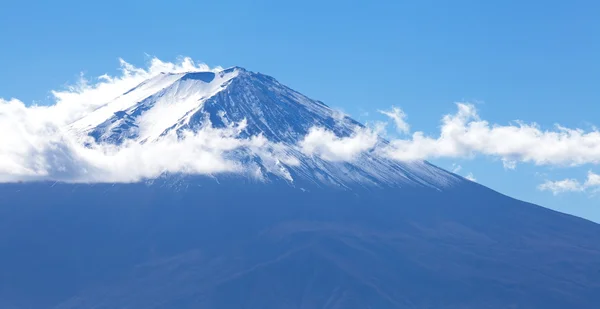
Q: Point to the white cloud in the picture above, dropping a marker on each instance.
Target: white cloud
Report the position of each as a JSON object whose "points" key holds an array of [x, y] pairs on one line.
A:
{"points": [[572, 185], [338, 115], [324, 143], [464, 134], [509, 164], [399, 118], [35, 149], [593, 180], [561, 186], [471, 177], [456, 168]]}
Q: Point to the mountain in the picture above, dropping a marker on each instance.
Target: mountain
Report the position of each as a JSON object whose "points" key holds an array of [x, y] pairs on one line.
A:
{"points": [[176, 103], [363, 233]]}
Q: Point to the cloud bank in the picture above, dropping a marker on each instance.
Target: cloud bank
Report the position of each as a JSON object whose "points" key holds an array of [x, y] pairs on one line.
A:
{"points": [[35, 149], [464, 134]]}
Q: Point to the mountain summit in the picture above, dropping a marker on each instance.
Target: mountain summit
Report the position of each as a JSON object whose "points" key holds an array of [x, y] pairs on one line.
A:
{"points": [[187, 101], [397, 234], [176, 103]]}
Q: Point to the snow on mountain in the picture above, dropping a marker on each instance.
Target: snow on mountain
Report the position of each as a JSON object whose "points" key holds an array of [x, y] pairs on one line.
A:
{"points": [[146, 111], [172, 103]]}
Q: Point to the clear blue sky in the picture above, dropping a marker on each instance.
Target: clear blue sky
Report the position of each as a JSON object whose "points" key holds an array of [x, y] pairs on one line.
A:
{"points": [[535, 61]]}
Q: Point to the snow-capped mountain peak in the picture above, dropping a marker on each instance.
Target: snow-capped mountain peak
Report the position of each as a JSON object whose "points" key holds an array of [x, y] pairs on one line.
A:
{"points": [[150, 109], [176, 103]]}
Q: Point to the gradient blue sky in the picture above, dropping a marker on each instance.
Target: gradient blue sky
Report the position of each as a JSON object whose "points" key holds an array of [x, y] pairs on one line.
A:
{"points": [[535, 61]]}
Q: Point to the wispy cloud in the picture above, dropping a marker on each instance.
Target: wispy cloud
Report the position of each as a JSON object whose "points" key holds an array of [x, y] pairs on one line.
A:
{"points": [[592, 183], [471, 177], [399, 118], [561, 186], [456, 168]]}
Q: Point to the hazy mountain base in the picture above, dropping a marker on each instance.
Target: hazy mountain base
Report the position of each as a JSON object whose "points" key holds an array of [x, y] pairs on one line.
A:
{"points": [[241, 244]]}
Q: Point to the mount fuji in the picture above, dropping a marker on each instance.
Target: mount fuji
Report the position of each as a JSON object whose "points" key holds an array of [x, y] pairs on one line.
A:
{"points": [[175, 104], [296, 226]]}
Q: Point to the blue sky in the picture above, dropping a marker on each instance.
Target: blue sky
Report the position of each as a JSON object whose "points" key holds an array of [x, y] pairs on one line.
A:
{"points": [[534, 61]]}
